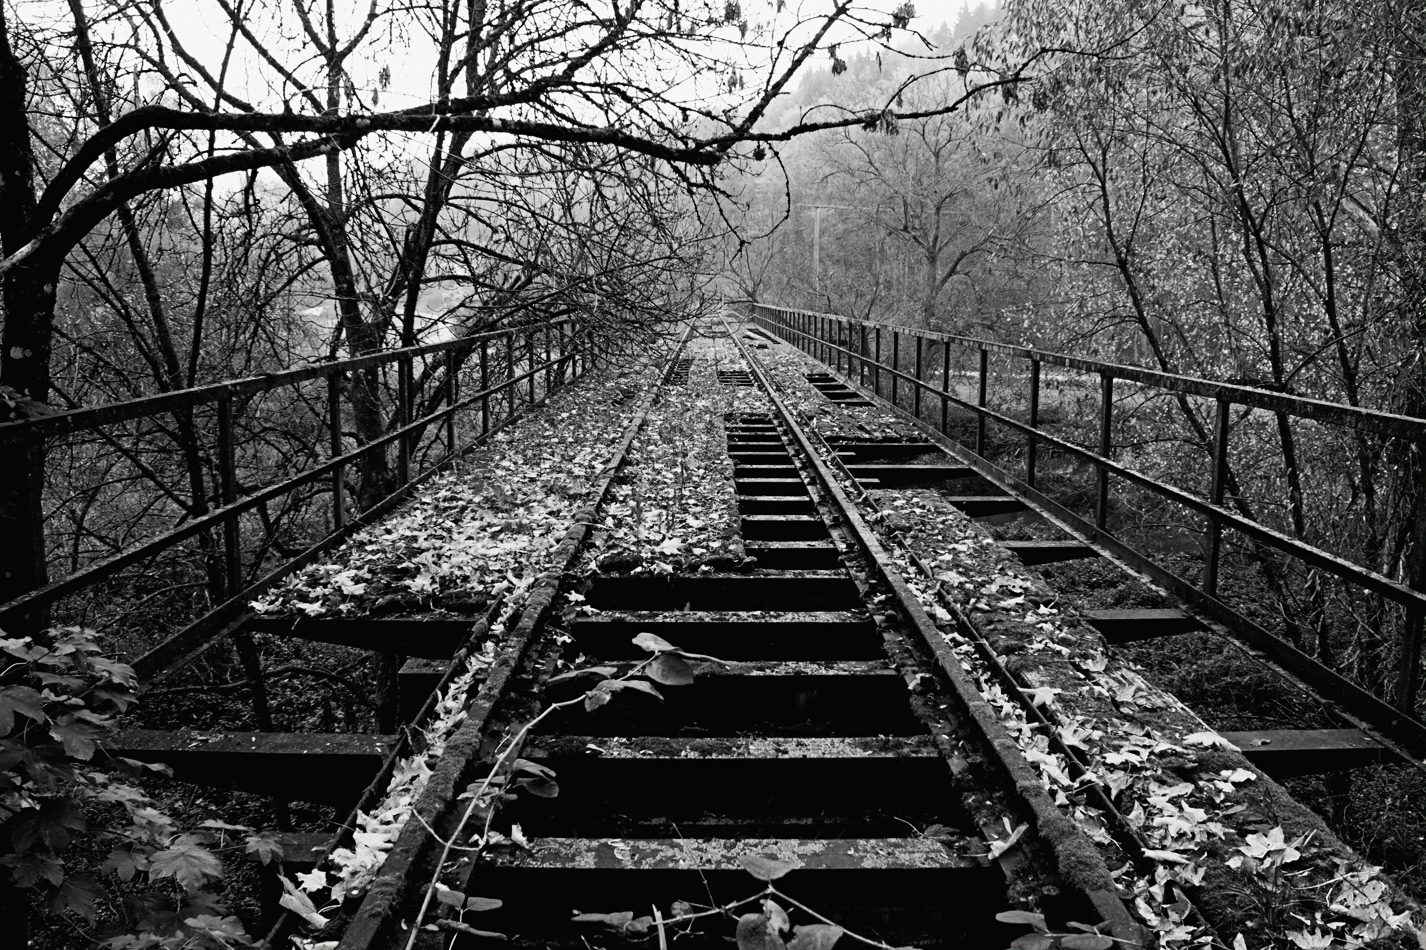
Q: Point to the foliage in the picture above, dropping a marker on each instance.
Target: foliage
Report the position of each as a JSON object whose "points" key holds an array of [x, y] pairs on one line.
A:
{"points": [[511, 775], [762, 927], [912, 220], [60, 789]]}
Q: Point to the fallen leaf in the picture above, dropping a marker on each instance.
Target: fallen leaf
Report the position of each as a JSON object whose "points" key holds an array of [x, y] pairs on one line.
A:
{"points": [[767, 869]]}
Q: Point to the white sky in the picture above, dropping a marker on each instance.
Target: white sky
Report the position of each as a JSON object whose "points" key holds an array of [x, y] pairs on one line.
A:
{"points": [[204, 30], [932, 13]]}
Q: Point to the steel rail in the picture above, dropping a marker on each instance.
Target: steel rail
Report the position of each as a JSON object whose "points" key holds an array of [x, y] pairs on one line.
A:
{"points": [[1126, 835], [374, 923], [1002, 747]]}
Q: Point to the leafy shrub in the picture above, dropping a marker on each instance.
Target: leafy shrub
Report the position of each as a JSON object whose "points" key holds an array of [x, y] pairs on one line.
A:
{"points": [[60, 787]]}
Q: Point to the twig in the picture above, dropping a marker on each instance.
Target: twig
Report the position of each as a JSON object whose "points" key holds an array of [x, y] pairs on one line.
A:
{"points": [[515, 743], [827, 920]]}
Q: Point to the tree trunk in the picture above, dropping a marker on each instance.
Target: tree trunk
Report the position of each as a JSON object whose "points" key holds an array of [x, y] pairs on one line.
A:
{"points": [[28, 294]]}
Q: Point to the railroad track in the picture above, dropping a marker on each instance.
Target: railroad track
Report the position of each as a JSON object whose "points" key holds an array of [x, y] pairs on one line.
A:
{"points": [[835, 735]]}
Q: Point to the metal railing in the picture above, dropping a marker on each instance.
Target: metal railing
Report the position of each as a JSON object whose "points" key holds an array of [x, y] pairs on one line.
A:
{"points": [[901, 364], [427, 431]]}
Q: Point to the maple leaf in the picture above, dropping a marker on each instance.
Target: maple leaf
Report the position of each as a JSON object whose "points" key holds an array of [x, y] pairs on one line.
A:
{"points": [[124, 864], [121, 673], [78, 895], [313, 880], [1210, 739], [1316, 940], [81, 731], [50, 824], [30, 867], [1040, 695], [266, 847], [1272, 845], [22, 648], [188, 862], [228, 931], [24, 700]]}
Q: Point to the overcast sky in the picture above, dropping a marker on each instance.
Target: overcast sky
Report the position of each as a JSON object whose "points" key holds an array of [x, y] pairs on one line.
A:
{"points": [[203, 29]]}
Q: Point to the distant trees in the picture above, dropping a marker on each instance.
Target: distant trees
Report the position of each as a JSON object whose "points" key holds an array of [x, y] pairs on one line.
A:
{"points": [[907, 218], [1243, 180], [178, 200], [923, 188], [1234, 190]]}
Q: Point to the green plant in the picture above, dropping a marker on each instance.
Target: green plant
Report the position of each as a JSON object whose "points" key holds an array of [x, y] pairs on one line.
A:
{"points": [[60, 787]]}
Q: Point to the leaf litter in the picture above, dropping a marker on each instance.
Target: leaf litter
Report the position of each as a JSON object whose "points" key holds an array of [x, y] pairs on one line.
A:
{"points": [[1214, 824]]}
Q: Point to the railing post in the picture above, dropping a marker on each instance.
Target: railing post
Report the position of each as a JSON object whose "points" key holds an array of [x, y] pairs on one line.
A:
{"points": [[876, 363], [403, 418], [1215, 497], [530, 345], [1032, 441], [916, 390], [549, 363], [945, 387], [228, 487], [485, 388], [510, 370], [861, 354], [334, 446], [1106, 445], [450, 402], [980, 401], [1408, 674], [895, 362]]}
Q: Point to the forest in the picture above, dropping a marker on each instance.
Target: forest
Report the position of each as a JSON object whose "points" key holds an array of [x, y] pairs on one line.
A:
{"points": [[1228, 191]]}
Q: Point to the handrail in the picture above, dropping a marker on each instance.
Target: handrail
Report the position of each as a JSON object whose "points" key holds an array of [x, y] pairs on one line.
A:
{"points": [[569, 351], [835, 337], [73, 420], [1366, 420]]}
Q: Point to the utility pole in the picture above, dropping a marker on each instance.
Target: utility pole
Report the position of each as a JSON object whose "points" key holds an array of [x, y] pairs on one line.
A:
{"points": [[817, 210], [817, 246]]}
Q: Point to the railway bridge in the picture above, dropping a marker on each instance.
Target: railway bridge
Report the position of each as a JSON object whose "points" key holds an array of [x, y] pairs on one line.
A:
{"points": [[818, 633]]}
